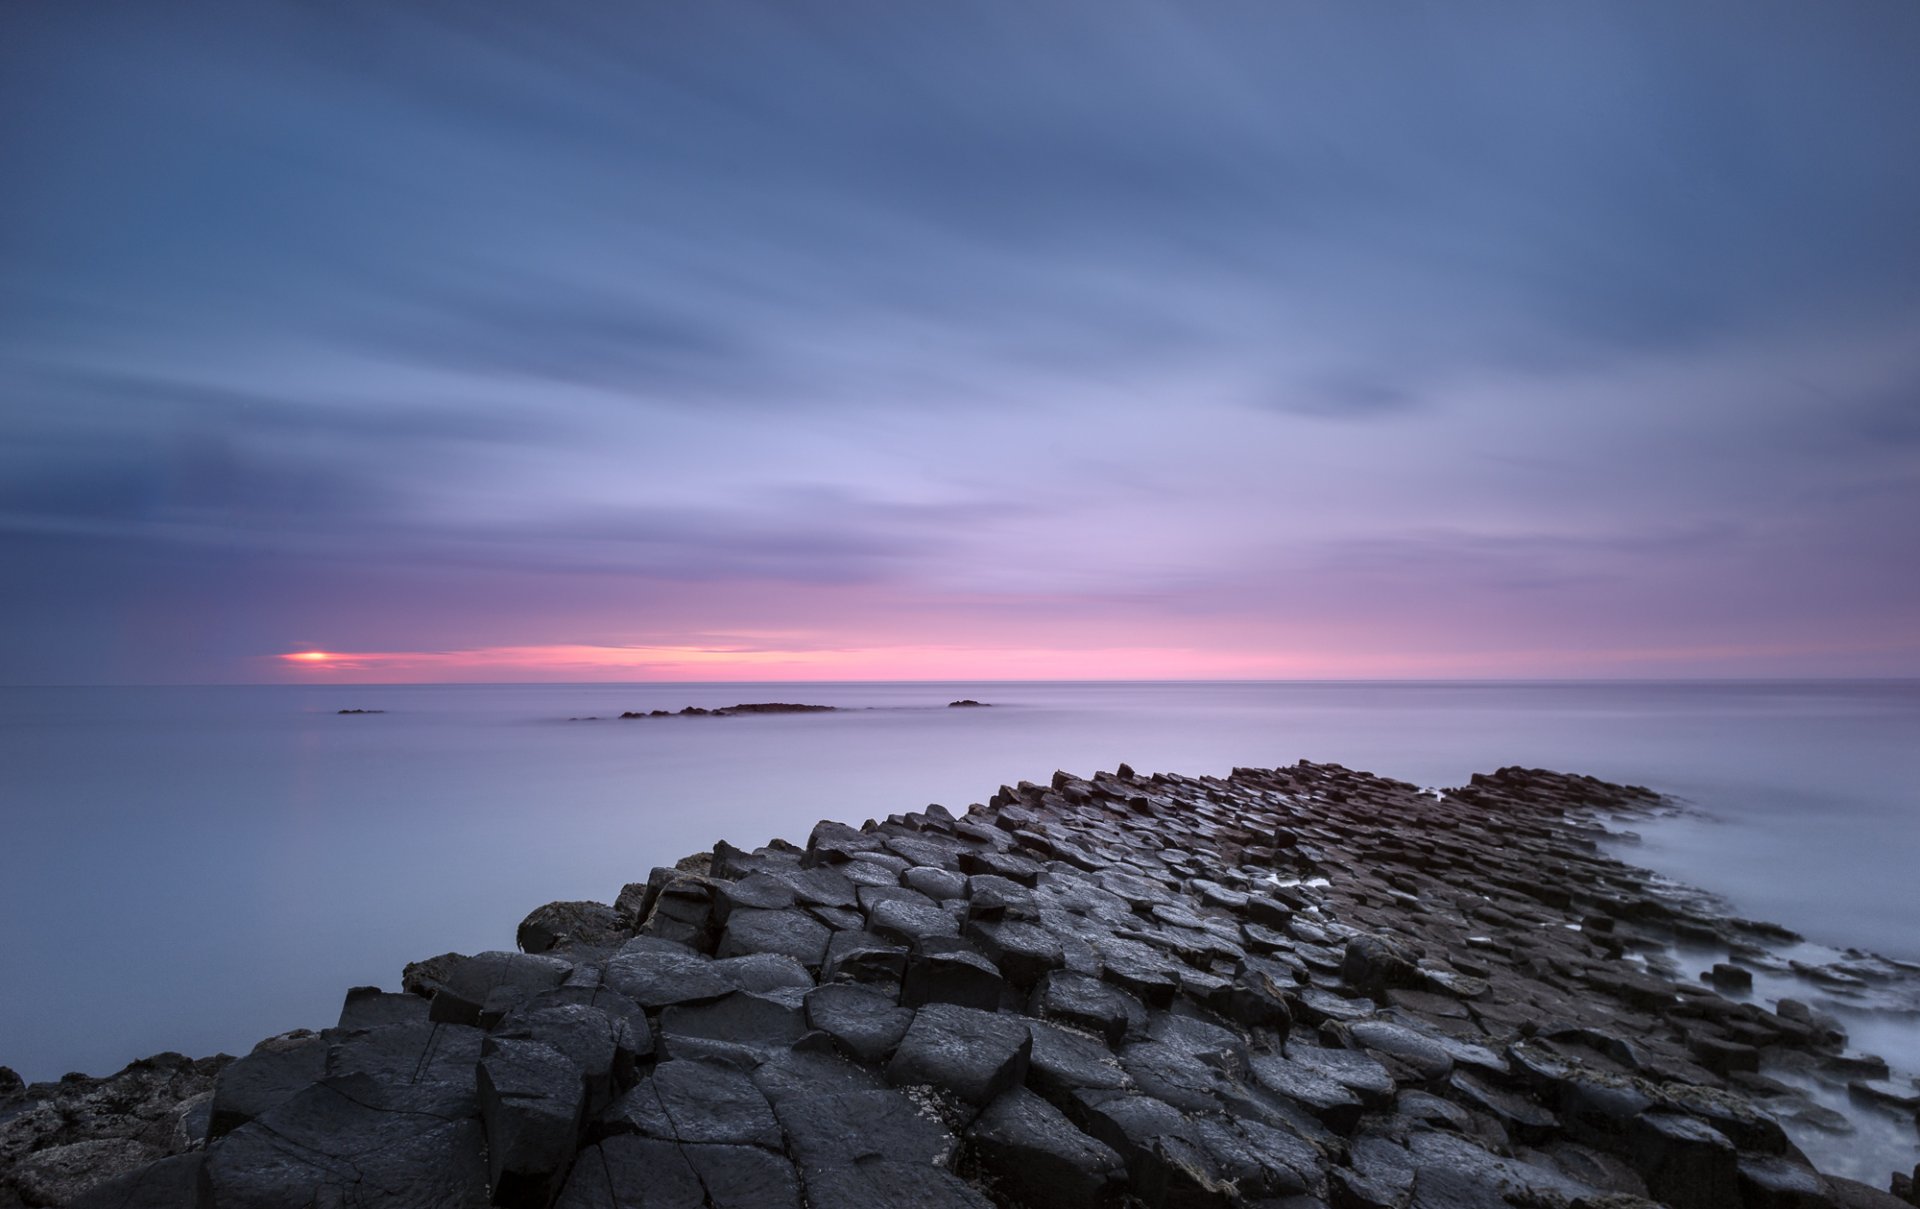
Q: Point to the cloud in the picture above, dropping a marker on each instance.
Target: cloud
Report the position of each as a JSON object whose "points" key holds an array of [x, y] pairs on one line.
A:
{"points": [[994, 323]]}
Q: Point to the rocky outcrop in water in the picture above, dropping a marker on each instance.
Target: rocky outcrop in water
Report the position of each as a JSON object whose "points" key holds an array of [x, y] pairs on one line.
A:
{"points": [[757, 707], [1302, 987]]}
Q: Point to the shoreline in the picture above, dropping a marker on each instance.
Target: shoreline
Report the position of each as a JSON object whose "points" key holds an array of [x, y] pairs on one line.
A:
{"points": [[1216, 989]]}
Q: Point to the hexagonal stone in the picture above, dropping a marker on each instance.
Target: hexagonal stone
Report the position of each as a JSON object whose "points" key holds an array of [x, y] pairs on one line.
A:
{"points": [[791, 932], [532, 1104], [864, 1023], [696, 1102], [973, 1054], [1035, 1154]]}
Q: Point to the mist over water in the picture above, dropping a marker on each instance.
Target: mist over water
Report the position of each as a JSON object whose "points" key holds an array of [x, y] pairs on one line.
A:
{"points": [[196, 868]]}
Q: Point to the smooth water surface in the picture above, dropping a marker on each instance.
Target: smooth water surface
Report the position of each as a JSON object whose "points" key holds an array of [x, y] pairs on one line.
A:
{"points": [[196, 868]]}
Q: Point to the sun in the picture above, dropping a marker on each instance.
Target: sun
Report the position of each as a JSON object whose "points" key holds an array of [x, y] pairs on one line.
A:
{"points": [[308, 657]]}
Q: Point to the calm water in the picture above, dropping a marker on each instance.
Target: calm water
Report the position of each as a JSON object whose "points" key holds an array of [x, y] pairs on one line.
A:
{"points": [[195, 868]]}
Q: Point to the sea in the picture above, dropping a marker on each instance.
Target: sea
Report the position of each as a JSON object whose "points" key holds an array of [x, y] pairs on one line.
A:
{"points": [[195, 868]]}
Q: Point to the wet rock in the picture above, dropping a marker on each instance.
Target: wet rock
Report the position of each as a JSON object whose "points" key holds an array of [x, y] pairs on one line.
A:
{"points": [[791, 933], [1685, 1162], [976, 1055], [1035, 1155], [371, 1007], [420, 1067], [1024, 952], [626, 1171], [605, 1047], [866, 1024], [170, 1183], [481, 989], [864, 957], [955, 976], [532, 1105], [277, 1069], [836, 843], [1327, 1099], [696, 1102], [1373, 964], [331, 1141], [1088, 1003], [938, 884], [1730, 977], [910, 923], [1063, 1062], [567, 924], [1768, 1182], [740, 1022]]}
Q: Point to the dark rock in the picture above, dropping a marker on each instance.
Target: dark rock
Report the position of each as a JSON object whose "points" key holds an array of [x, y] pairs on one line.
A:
{"points": [[1522, 1118], [1326, 1098], [703, 1102], [866, 1024], [1421, 1054], [937, 884], [968, 703], [889, 1185], [420, 1067], [681, 909], [532, 1105], [1730, 977], [1686, 1163], [990, 897], [739, 1021], [1088, 1003], [1769, 1182], [626, 1171], [743, 1177], [973, 1054], [605, 1047], [1001, 864], [571, 923], [864, 957], [793, 933], [910, 922], [1024, 952], [655, 973], [761, 891], [277, 1069], [481, 989], [955, 976], [835, 843], [1353, 1070], [170, 1183], [1036, 1156], [1063, 1062], [1373, 964], [371, 1007], [841, 1129], [1139, 969], [762, 973], [331, 1142]]}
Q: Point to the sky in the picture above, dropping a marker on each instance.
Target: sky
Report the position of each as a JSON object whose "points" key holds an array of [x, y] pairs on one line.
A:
{"points": [[860, 339]]}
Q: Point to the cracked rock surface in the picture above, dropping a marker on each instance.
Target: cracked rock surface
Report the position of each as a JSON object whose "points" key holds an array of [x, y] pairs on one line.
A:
{"points": [[1304, 987]]}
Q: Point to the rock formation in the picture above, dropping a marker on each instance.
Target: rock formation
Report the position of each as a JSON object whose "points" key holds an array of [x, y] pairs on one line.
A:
{"points": [[1301, 987]]}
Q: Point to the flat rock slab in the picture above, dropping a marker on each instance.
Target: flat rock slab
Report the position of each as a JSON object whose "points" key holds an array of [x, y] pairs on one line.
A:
{"points": [[792, 933], [1038, 1157], [330, 1143], [862, 1128], [532, 1102], [976, 1055], [697, 1102], [625, 1172], [866, 1024]]}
